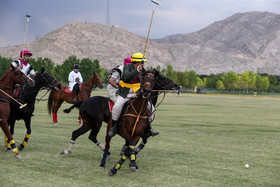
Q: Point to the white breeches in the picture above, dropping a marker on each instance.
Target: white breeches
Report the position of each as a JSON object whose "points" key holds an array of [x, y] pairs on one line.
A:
{"points": [[117, 109]]}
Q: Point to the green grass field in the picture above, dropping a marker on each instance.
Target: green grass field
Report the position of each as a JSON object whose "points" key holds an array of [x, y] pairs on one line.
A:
{"points": [[205, 140]]}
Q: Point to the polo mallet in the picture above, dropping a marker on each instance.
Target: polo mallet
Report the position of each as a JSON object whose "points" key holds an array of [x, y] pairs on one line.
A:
{"points": [[27, 21], [21, 105], [155, 3]]}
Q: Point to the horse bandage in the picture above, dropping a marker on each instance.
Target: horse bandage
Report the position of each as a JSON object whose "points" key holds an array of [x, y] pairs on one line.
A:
{"points": [[12, 142], [24, 143], [118, 166], [15, 150], [132, 157], [124, 157]]}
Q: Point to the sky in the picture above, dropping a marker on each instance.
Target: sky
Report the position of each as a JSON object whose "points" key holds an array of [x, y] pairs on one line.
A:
{"points": [[171, 17]]}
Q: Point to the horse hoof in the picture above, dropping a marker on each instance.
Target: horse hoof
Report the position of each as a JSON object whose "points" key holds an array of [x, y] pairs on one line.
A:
{"points": [[65, 152], [102, 166], [18, 156], [9, 151], [55, 122], [112, 172], [133, 166]]}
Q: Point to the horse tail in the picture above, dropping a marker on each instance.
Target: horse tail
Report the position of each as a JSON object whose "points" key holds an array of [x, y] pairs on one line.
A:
{"points": [[75, 105], [50, 103]]}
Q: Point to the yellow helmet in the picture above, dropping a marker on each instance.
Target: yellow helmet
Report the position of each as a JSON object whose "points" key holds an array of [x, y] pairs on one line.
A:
{"points": [[138, 57]]}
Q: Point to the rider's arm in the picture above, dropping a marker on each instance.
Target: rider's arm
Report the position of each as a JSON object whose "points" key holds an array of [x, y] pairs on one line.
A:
{"points": [[112, 82], [129, 73]]}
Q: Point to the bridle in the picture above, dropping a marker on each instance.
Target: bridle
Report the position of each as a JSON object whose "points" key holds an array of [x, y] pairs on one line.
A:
{"points": [[94, 86]]}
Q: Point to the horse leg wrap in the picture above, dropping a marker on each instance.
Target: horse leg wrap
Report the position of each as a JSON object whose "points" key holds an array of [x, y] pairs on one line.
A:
{"points": [[71, 145], [140, 147], [54, 117], [119, 164], [24, 143], [101, 146], [6, 140], [13, 146], [9, 148], [132, 152]]}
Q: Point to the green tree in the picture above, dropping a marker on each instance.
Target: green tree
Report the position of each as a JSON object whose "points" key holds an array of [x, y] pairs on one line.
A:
{"points": [[272, 80], [220, 85], [252, 80], [170, 73], [200, 82], [182, 78], [192, 79], [211, 81], [230, 80], [4, 65], [244, 81], [40, 62], [262, 83]]}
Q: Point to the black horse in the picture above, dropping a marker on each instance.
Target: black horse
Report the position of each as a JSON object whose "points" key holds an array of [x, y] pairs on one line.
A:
{"points": [[43, 80], [95, 110]]}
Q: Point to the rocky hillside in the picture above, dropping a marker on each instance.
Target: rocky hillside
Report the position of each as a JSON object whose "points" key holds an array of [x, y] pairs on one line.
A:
{"points": [[242, 42]]}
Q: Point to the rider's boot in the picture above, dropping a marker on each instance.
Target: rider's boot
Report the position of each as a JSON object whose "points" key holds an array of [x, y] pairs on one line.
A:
{"points": [[75, 96], [112, 132], [149, 131]]}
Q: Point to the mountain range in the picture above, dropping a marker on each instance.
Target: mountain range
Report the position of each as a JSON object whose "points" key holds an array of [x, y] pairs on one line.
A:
{"points": [[243, 42]]}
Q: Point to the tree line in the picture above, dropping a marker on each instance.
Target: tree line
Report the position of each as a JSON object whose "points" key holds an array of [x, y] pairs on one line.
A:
{"points": [[246, 81]]}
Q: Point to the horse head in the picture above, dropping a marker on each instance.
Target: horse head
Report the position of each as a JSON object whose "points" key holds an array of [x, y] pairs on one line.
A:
{"points": [[44, 79], [21, 77], [164, 83], [98, 81], [147, 83]]}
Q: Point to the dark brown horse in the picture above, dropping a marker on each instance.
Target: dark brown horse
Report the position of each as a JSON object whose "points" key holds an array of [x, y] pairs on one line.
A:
{"points": [[57, 98], [134, 122], [95, 110], [7, 82]]}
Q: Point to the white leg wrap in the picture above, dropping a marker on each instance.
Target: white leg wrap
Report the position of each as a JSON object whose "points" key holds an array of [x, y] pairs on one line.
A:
{"points": [[71, 145], [100, 145]]}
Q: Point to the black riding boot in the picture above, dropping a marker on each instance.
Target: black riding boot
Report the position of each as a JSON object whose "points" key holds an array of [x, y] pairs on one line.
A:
{"points": [[112, 132], [149, 131]]}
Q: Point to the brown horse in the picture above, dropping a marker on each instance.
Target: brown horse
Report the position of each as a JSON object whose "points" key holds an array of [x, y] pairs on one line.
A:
{"points": [[134, 122], [57, 98], [7, 82]]}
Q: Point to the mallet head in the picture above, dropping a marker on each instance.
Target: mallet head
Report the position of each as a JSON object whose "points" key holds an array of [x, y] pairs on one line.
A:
{"points": [[155, 2]]}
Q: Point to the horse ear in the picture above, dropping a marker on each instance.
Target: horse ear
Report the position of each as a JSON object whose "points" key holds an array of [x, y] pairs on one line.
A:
{"points": [[155, 72], [42, 70]]}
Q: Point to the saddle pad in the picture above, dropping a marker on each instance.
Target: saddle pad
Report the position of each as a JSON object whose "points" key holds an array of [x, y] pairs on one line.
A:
{"points": [[68, 91], [111, 104]]}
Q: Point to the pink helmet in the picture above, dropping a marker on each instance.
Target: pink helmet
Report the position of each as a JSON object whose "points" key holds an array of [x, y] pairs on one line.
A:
{"points": [[127, 61], [25, 52]]}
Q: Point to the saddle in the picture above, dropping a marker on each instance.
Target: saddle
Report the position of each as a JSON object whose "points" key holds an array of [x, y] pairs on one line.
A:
{"points": [[124, 109], [68, 91]]}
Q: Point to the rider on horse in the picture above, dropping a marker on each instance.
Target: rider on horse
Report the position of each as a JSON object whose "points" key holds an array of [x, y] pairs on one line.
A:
{"points": [[25, 67], [75, 79], [128, 85], [114, 79]]}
